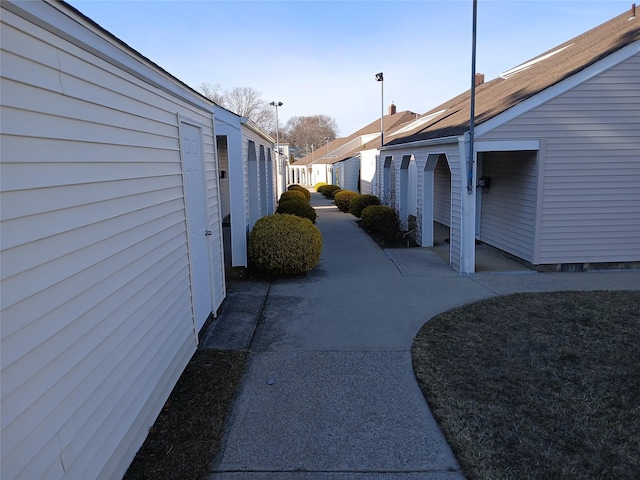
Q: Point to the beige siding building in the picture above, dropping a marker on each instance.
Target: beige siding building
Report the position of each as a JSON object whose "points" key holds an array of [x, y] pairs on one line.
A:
{"points": [[555, 173]]}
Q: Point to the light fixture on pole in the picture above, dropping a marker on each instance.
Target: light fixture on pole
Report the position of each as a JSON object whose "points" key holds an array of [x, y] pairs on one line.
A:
{"points": [[380, 78], [278, 159]]}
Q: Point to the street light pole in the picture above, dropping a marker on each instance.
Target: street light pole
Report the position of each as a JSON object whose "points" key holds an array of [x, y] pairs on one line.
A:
{"points": [[278, 104], [380, 78], [472, 115]]}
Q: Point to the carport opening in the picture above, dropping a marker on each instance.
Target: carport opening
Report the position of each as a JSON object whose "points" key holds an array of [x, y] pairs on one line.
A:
{"points": [[436, 206], [506, 200], [441, 241]]}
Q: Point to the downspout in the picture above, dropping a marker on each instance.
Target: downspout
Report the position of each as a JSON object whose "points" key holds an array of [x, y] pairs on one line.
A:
{"points": [[473, 102]]}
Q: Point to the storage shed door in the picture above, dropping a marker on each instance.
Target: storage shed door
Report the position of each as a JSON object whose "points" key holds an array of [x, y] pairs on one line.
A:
{"points": [[196, 204]]}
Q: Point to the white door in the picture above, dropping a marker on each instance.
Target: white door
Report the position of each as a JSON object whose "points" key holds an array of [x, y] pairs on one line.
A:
{"points": [[196, 203]]}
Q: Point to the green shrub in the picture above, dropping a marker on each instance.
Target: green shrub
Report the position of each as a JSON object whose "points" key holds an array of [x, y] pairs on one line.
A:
{"points": [[360, 202], [289, 194], [317, 186], [343, 199], [284, 244], [381, 221], [297, 207], [327, 190], [335, 192], [299, 188]]}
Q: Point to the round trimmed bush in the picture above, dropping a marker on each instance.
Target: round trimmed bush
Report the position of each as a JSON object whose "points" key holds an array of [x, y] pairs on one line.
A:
{"points": [[297, 207], [381, 221], [360, 202], [335, 192], [317, 186], [289, 194], [343, 199], [284, 244], [299, 188], [327, 190]]}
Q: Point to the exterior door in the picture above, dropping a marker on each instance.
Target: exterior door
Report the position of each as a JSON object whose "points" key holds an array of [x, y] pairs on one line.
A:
{"points": [[197, 228]]}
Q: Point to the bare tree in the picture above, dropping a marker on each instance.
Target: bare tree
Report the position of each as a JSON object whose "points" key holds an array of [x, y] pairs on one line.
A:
{"points": [[310, 133], [243, 101], [248, 102], [213, 93], [306, 133]]}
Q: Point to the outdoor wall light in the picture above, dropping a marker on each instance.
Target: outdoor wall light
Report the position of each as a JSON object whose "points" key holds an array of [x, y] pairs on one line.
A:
{"points": [[484, 183], [223, 174]]}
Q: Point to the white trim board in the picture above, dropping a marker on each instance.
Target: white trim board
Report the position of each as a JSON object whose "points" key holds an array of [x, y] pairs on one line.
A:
{"points": [[506, 146]]}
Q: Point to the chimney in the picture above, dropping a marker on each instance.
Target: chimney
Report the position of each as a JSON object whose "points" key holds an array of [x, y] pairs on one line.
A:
{"points": [[392, 109], [479, 79], [633, 11]]}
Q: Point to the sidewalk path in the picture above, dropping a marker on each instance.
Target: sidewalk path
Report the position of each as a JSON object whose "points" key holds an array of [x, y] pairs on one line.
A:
{"points": [[329, 393]]}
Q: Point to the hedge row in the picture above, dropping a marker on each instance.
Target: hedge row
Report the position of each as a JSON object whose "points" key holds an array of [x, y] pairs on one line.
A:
{"points": [[295, 201], [378, 220], [328, 190], [360, 202], [301, 189]]}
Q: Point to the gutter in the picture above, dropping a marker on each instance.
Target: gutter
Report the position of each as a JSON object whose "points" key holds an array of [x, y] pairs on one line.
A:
{"points": [[253, 126]]}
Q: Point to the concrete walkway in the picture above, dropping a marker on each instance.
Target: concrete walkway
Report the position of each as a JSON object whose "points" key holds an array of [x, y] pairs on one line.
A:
{"points": [[329, 392]]}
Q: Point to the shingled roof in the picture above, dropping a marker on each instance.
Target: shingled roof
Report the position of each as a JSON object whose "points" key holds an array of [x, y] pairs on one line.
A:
{"points": [[391, 122], [524, 81]]}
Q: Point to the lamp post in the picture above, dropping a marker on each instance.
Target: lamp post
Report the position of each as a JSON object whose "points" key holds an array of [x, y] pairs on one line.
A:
{"points": [[380, 78], [472, 115], [276, 105]]}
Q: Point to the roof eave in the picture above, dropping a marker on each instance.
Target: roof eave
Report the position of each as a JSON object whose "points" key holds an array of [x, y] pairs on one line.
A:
{"points": [[423, 143]]}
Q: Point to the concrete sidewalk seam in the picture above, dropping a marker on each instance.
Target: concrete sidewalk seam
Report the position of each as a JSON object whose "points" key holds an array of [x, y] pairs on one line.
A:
{"points": [[260, 321]]}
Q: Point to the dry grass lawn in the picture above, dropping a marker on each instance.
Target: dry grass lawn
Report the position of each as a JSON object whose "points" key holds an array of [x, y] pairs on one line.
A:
{"points": [[188, 431], [537, 386]]}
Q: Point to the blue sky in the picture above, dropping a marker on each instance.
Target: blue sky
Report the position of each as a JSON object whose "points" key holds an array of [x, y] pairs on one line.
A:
{"points": [[321, 57]]}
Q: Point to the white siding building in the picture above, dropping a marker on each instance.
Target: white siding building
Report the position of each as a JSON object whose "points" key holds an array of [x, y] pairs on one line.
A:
{"points": [[111, 242], [252, 177], [556, 166], [339, 161]]}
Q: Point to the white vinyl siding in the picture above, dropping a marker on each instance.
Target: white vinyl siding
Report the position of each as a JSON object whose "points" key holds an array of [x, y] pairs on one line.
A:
{"points": [[455, 234], [214, 208], [447, 193], [589, 196], [447, 199], [223, 159], [253, 190], [259, 196], [96, 306], [368, 171], [394, 178], [234, 188], [508, 208], [442, 193], [350, 173]]}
